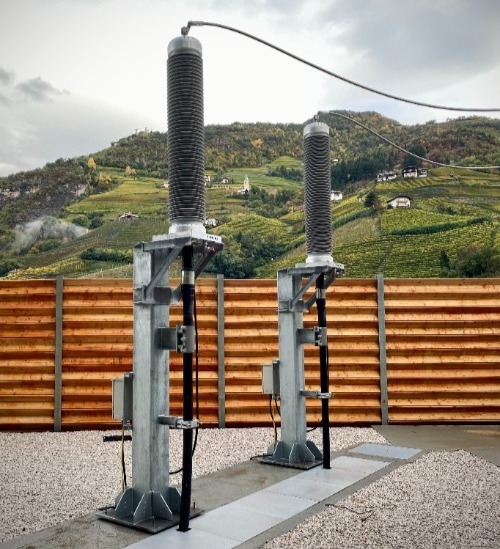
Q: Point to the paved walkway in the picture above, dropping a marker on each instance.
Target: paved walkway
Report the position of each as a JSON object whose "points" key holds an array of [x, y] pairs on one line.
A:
{"points": [[240, 521]]}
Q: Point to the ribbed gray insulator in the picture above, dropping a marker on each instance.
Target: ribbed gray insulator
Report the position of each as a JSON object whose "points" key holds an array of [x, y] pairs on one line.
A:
{"points": [[186, 140], [317, 189]]}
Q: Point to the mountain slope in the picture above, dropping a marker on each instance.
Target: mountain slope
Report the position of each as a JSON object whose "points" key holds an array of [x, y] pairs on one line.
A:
{"points": [[264, 230]]}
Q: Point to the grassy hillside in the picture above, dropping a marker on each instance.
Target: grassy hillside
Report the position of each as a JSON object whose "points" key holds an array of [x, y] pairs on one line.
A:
{"points": [[65, 218], [448, 213]]}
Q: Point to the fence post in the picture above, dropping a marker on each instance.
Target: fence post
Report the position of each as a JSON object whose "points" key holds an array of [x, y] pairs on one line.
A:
{"points": [[58, 354], [221, 367], [384, 407]]}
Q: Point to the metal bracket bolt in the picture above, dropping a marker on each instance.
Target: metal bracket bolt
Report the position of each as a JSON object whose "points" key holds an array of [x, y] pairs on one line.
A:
{"points": [[179, 422], [180, 338], [316, 394], [317, 336]]}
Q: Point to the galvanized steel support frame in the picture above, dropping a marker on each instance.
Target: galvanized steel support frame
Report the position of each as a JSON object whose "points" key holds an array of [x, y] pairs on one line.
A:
{"points": [[294, 450], [151, 504]]}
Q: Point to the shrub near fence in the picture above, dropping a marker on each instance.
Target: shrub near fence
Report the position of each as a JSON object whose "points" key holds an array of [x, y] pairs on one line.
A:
{"points": [[401, 351]]}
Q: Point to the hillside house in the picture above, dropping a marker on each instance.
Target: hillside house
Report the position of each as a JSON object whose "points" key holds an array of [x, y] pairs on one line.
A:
{"points": [[210, 223], [413, 171], [129, 216], [208, 179], [386, 176], [410, 171], [399, 202], [335, 196]]}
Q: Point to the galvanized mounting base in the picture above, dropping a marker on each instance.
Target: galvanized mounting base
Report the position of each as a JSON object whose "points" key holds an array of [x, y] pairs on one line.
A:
{"points": [[151, 514], [300, 456]]}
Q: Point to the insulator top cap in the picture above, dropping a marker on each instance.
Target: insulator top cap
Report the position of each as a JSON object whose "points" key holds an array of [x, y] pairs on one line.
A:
{"points": [[184, 44], [316, 128]]}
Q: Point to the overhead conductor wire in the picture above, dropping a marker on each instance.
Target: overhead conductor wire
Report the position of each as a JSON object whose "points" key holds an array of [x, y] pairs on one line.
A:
{"points": [[406, 151], [185, 31]]}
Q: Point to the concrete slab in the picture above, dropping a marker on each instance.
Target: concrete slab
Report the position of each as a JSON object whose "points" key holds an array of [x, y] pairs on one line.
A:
{"points": [[194, 539], [253, 515], [310, 489], [362, 465], [386, 451], [232, 521], [480, 440], [274, 504]]}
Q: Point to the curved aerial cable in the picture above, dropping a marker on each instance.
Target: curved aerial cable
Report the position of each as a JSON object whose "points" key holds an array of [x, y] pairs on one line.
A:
{"points": [[185, 31], [335, 113]]}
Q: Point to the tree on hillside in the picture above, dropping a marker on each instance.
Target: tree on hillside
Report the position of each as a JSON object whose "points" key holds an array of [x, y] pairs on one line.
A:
{"points": [[410, 160], [372, 201], [130, 172], [472, 262], [91, 165]]}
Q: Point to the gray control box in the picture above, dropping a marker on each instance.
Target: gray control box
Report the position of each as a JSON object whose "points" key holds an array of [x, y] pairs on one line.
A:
{"points": [[122, 394], [271, 378]]}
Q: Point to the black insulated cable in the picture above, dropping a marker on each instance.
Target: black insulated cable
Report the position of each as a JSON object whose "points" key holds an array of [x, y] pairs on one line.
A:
{"points": [[187, 292], [323, 370]]}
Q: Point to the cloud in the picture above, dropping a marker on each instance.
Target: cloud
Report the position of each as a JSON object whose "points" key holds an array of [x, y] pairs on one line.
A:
{"points": [[430, 43], [33, 133], [37, 89], [6, 77]]}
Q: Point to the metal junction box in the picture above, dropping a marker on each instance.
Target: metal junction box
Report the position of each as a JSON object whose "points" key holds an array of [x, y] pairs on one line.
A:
{"points": [[271, 378], [122, 402]]}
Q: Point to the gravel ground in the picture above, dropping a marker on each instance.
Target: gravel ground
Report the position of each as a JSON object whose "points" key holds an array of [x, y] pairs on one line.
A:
{"points": [[442, 500], [47, 478]]}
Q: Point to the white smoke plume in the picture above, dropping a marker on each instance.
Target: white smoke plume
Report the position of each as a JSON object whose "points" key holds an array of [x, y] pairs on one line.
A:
{"points": [[44, 228]]}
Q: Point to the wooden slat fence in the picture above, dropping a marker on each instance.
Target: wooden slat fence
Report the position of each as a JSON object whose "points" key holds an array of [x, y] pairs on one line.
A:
{"points": [[401, 351], [27, 349], [443, 350]]}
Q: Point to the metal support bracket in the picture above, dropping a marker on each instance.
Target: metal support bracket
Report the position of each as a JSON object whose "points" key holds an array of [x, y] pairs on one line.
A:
{"points": [[297, 304], [153, 294], [317, 336], [178, 422], [180, 338], [316, 394]]}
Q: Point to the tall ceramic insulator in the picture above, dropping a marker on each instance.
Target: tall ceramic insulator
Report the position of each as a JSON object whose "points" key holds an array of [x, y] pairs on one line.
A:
{"points": [[317, 192], [186, 141]]}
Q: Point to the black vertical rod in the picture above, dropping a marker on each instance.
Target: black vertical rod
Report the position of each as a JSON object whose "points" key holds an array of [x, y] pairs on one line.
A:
{"points": [[323, 369], [187, 292]]}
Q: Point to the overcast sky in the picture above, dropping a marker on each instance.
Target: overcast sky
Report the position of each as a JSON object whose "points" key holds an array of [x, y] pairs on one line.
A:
{"points": [[78, 74]]}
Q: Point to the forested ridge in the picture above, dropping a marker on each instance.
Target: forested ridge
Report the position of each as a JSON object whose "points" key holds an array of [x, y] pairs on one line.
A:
{"points": [[65, 217]]}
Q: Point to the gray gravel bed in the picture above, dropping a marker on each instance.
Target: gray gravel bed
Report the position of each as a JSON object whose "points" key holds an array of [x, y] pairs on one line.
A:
{"points": [[47, 478], [442, 500]]}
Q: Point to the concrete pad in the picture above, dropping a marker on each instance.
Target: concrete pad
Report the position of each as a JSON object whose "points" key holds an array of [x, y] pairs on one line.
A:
{"points": [[480, 440], [275, 504], [349, 463], [235, 522], [308, 488], [386, 450], [194, 539]]}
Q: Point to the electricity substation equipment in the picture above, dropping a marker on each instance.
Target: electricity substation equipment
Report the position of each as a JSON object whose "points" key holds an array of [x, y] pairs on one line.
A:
{"points": [[142, 398], [284, 379]]}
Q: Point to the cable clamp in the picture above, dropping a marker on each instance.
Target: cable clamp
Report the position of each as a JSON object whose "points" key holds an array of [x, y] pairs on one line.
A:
{"points": [[185, 339], [317, 336], [316, 394], [321, 336], [180, 338], [175, 422]]}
